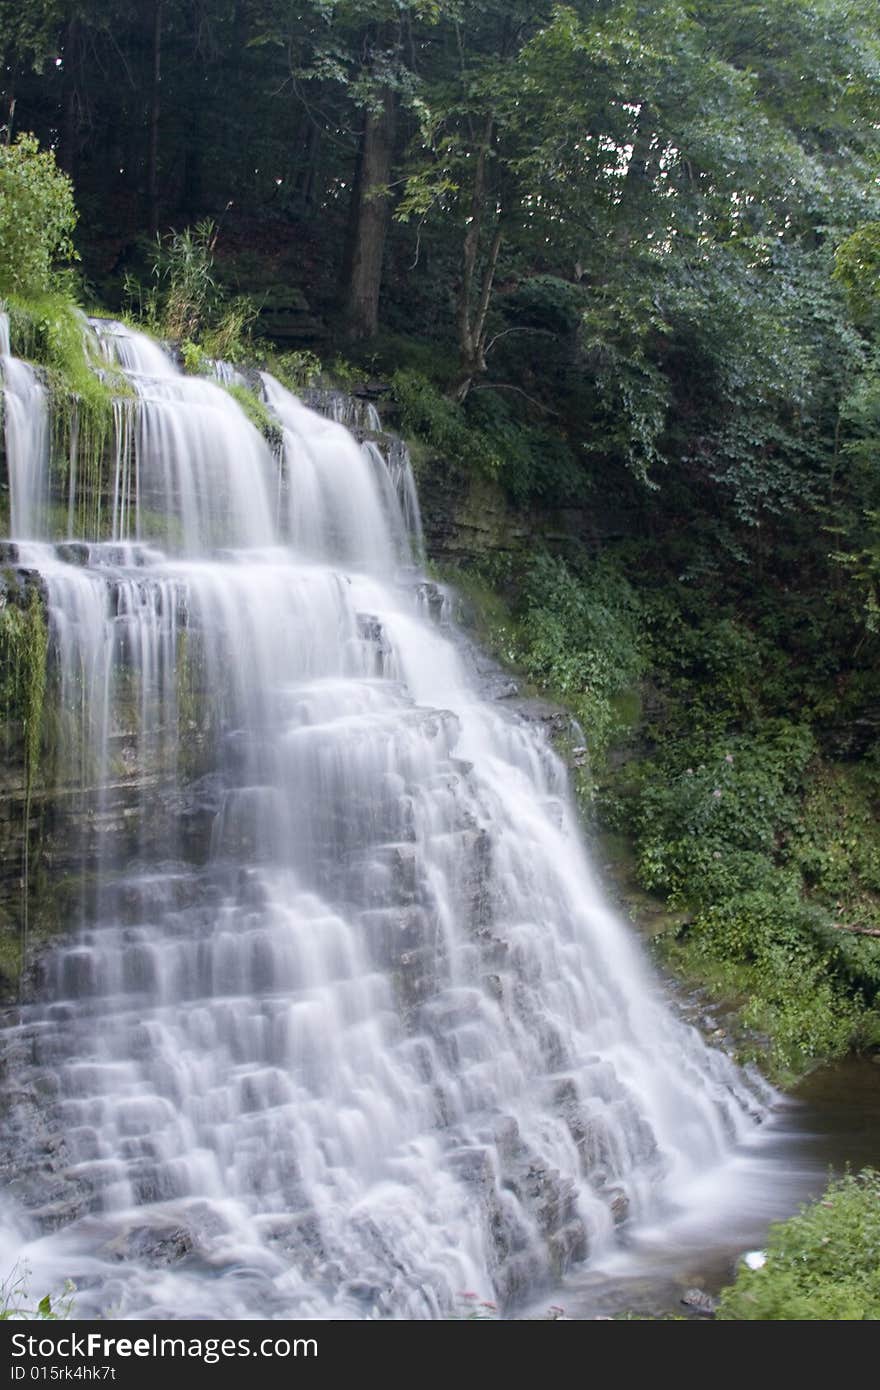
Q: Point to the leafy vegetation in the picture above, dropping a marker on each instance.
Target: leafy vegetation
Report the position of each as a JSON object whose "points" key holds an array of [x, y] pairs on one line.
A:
{"points": [[50, 331], [16, 1304], [579, 637], [37, 218], [23, 643], [256, 411], [186, 304], [823, 1265]]}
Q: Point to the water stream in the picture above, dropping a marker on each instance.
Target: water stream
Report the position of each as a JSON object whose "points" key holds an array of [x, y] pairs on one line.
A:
{"points": [[344, 1026]]}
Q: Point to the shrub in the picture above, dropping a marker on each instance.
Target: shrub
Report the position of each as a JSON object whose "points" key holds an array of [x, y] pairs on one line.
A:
{"points": [[823, 1265], [37, 218], [710, 826], [183, 269], [579, 636], [296, 370], [431, 416]]}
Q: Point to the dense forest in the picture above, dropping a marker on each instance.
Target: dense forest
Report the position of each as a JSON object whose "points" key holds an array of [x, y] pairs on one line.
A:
{"points": [[614, 269]]}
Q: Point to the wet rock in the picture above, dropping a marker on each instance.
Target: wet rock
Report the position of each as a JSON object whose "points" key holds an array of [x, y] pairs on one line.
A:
{"points": [[73, 553], [394, 934], [700, 1302], [556, 721], [473, 1165], [433, 600], [567, 1246], [151, 1245], [370, 629], [618, 1202], [18, 582]]}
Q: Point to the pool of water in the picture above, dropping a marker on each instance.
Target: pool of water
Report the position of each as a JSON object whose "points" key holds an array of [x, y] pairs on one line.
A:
{"points": [[830, 1123]]}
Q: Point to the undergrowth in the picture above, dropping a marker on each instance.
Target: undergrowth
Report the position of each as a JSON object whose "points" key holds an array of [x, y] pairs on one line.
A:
{"points": [[823, 1265]]}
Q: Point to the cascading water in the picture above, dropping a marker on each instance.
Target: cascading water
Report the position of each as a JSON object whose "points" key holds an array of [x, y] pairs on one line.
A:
{"points": [[26, 438], [346, 1027]]}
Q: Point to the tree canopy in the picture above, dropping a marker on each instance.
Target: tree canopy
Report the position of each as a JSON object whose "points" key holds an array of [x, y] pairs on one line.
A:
{"points": [[652, 224]]}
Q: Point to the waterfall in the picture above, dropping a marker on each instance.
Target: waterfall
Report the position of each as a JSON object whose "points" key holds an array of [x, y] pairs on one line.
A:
{"points": [[345, 1026], [26, 439]]}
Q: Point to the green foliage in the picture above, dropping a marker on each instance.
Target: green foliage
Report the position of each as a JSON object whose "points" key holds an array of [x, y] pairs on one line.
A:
{"points": [[532, 462], [772, 852], [194, 357], [255, 409], [37, 218], [857, 267], [296, 370], [835, 841], [184, 272], [857, 530], [187, 304], [632, 393], [762, 945], [16, 1304], [345, 375], [823, 1265], [228, 337], [578, 636], [704, 828], [430, 416], [23, 649]]}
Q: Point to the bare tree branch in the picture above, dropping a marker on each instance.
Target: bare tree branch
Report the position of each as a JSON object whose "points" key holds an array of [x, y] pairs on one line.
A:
{"points": [[507, 386], [856, 929], [505, 333]]}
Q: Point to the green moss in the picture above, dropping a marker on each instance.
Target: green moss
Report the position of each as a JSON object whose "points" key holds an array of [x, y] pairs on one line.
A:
{"points": [[51, 333], [10, 960], [256, 411], [23, 647], [194, 710], [23, 650]]}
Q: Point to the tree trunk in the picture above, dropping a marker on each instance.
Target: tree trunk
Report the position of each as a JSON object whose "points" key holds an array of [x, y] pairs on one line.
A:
{"points": [[10, 111], [635, 189], [369, 222], [155, 108], [856, 929], [68, 145], [474, 295]]}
